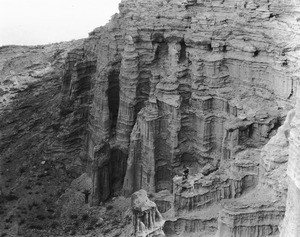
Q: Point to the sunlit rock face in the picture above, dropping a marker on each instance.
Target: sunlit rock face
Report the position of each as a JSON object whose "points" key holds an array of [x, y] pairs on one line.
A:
{"points": [[290, 226], [147, 220], [203, 84]]}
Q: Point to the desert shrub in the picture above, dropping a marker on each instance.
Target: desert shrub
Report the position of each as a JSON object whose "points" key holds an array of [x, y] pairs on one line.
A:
{"points": [[85, 216], [22, 170], [11, 197], [76, 224], [41, 217], [22, 221], [93, 221], [54, 224], [36, 227], [73, 216]]}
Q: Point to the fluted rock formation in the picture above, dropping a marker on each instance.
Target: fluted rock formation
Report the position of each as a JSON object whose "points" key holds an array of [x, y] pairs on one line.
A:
{"points": [[198, 83], [291, 227], [257, 213], [173, 83], [147, 220]]}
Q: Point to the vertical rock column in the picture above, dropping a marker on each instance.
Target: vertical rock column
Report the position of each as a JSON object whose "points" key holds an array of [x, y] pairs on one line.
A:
{"points": [[128, 81], [291, 222], [169, 101], [78, 81], [100, 175], [100, 130], [141, 162]]}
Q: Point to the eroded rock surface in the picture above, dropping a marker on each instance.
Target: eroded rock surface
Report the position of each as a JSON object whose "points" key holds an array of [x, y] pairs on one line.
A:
{"points": [[203, 84], [38, 160], [290, 226], [173, 83], [147, 220]]}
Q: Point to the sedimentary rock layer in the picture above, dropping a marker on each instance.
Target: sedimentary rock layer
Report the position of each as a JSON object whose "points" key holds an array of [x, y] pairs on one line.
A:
{"points": [[192, 83], [171, 83]]}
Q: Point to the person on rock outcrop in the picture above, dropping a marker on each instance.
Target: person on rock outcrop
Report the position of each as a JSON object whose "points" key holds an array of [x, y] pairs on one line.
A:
{"points": [[186, 172]]}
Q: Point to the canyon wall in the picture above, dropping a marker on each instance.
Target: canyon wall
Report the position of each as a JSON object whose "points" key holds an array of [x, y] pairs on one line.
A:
{"points": [[188, 83], [204, 84]]}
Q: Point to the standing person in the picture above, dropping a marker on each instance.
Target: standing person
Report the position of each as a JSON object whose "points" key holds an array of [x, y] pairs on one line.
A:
{"points": [[186, 172], [86, 195]]}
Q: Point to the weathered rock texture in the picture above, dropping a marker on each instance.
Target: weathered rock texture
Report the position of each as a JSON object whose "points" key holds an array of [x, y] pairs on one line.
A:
{"points": [[291, 227], [147, 220], [203, 84], [207, 84], [39, 153]]}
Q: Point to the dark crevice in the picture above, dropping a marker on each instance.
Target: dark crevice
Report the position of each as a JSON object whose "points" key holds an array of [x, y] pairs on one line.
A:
{"points": [[113, 94], [210, 171], [209, 47], [245, 133], [273, 130], [256, 53], [111, 174], [103, 182], [285, 63], [274, 15], [118, 167], [251, 130], [161, 47], [157, 37], [182, 55], [292, 90], [163, 174], [161, 52]]}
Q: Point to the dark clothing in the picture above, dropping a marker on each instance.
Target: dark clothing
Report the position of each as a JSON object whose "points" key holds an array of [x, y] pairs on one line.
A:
{"points": [[186, 173], [86, 194]]}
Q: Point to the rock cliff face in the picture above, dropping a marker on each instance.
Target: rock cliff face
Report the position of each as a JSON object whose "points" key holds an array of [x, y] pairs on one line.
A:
{"points": [[147, 220], [290, 225], [204, 84]]}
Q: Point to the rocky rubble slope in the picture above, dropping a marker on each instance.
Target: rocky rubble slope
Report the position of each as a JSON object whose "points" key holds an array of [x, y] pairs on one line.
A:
{"points": [[168, 84], [34, 170]]}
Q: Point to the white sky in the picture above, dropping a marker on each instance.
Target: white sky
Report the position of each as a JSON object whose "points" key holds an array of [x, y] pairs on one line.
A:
{"points": [[32, 22]]}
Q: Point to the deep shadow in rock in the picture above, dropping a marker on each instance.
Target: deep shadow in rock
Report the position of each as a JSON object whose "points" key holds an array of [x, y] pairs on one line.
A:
{"points": [[113, 94]]}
